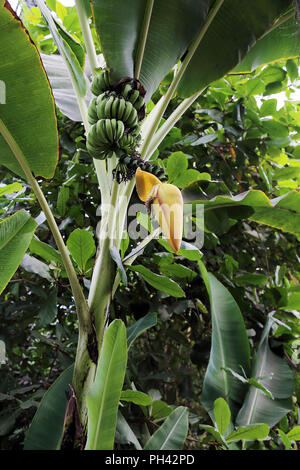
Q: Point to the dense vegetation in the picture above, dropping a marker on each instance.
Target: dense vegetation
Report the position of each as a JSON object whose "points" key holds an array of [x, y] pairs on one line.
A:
{"points": [[235, 150]]}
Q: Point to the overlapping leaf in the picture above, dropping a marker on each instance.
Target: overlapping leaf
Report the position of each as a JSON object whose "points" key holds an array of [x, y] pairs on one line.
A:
{"points": [[29, 111], [120, 26], [234, 30], [229, 348], [287, 40], [274, 374], [15, 235], [103, 398], [237, 25], [172, 433], [46, 428], [282, 212]]}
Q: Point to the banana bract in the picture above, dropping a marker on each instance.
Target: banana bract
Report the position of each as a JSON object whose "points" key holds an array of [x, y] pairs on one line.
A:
{"points": [[167, 203]]}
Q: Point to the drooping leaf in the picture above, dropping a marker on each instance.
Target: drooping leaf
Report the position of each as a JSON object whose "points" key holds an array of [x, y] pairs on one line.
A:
{"points": [[126, 433], [104, 395], [65, 51], [73, 43], [178, 272], [46, 428], [29, 112], [282, 212], [62, 199], [275, 375], [34, 265], [159, 282], [251, 433], [140, 326], [213, 431], [236, 27], [172, 433], [134, 396], [257, 279], [230, 348], [287, 40], [16, 233], [121, 27], [45, 251], [63, 91]]}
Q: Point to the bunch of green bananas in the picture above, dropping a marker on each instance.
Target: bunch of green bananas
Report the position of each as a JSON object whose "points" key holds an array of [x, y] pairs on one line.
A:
{"points": [[114, 115]]}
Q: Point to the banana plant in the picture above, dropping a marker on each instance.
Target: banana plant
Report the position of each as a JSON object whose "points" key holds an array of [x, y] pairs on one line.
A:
{"points": [[142, 41]]}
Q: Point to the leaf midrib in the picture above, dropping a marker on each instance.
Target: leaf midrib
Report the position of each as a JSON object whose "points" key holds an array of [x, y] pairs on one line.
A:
{"points": [[173, 429], [107, 375]]}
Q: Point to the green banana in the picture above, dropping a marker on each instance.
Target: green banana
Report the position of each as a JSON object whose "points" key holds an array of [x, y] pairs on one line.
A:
{"points": [[114, 115], [119, 130], [132, 118], [92, 111], [126, 90], [101, 82], [110, 125], [133, 96]]}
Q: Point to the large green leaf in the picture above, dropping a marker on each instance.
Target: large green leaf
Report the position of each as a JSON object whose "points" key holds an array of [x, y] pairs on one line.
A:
{"points": [[29, 112], [282, 212], [229, 348], [233, 31], [167, 28], [16, 233], [172, 433], [287, 40], [62, 88], [159, 282], [249, 433], [275, 375], [125, 433], [65, 50], [103, 398], [121, 27], [46, 428]]}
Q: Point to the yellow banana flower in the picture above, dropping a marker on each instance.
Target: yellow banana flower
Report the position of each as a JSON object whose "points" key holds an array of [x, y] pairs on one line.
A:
{"points": [[167, 203]]}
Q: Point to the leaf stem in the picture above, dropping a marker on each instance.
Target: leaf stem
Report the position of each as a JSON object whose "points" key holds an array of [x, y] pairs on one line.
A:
{"points": [[143, 39], [83, 363], [87, 35], [103, 272], [81, 305], [169, 124], [163, 103]]}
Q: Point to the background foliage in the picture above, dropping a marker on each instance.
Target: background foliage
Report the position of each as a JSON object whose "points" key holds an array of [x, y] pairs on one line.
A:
{"points": [[241, 134]]}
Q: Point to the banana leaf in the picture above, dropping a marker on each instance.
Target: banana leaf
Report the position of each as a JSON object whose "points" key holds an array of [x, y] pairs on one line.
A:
{"points": [[275, 375], [146, 38], [16, 233], [103, 398], [229, 348], [27, 110]]}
